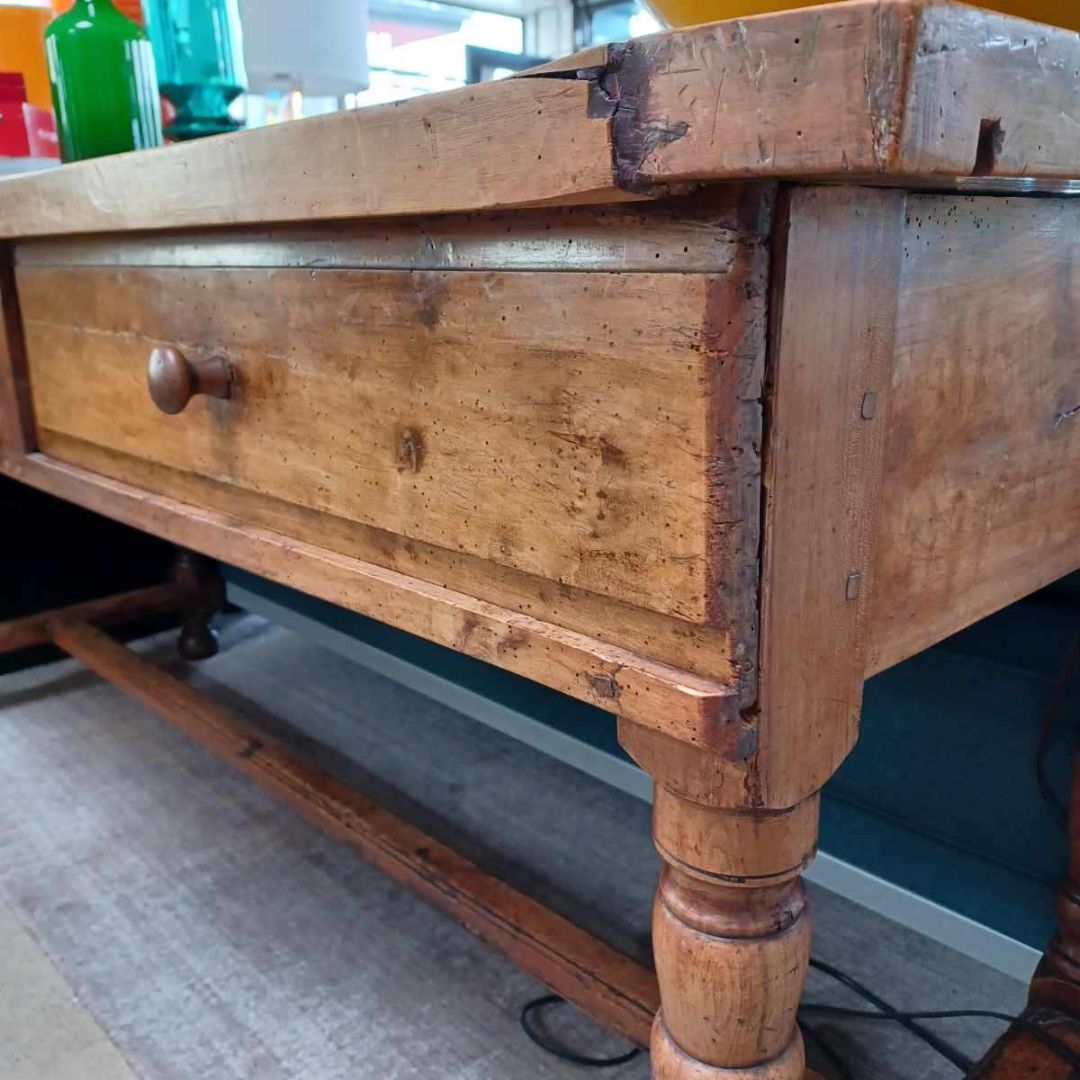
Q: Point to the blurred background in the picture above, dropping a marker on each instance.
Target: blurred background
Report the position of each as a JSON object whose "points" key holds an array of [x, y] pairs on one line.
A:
{"points": [[260, 62]]}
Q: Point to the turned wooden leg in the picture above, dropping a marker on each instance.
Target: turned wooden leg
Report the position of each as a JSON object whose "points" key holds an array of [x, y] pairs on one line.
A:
{"points": [[1057, 979], [203, 590], [1054, 1000], [731, 935], [731, 939]]}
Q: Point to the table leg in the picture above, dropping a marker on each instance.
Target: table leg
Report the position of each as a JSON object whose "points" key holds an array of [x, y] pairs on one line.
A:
{"points": [[731, 938], [1057, 979], [1054, 1001], [731, 934], [203, 592]]}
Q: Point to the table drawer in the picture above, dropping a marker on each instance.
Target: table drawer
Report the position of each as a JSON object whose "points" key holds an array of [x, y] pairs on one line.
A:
{"points": [[584, 427]]}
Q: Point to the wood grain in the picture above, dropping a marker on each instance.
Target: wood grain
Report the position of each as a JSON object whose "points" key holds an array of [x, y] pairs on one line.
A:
{"points": [[689, 707], [981, 487], [541, 421], [731, 936], [722, 230], [16, 407], [830, 367], [807, 91], [903, 90], [731, 970], [705, 232], [702, 650], [894, 90], [669, 1062], [731, 948], [590, 59], [1020, 1054], [755, 847], [616, 991], [990, 94], [107, 611], [507, 143]]}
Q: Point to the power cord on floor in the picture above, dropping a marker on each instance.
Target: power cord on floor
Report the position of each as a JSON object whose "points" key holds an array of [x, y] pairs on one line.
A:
{"points": [[561, 1052], [840, 1070], [882, 1011], [946, 1050], [1047, 728], [1052, 1043]]}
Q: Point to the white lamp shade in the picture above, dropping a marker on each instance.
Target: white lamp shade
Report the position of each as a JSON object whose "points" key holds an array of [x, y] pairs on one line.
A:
{"points": [[315, 46]]}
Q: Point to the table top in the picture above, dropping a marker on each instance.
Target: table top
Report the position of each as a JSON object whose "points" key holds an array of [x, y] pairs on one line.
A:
{"points": [[914, 93]]}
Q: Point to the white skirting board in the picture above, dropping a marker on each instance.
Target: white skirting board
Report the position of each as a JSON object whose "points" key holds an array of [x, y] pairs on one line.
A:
{"points": [[958, 932]]}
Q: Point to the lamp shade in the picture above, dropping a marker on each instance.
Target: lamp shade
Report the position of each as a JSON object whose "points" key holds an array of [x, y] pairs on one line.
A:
{"points": [[318, 47]]}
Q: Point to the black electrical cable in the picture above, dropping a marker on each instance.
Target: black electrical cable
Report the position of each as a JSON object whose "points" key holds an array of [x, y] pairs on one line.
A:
{"points": [[839, 1012], [1066, 1053], [903, 1014], [839, 1065], [908, 1020], [561, 1052], [1051, 1042], [1053, 801], [945, 1049]]}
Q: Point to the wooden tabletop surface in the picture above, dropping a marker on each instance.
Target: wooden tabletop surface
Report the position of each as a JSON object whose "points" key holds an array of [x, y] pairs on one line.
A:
{"points": [[904, 92]]}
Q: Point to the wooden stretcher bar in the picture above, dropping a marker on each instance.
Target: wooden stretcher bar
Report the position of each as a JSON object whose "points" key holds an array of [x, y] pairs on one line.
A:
{"points": [[105, 611], [614, 990]]}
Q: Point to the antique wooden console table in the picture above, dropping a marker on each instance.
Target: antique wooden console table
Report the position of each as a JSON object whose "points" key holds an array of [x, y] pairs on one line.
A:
{"points": [[699, 378]]}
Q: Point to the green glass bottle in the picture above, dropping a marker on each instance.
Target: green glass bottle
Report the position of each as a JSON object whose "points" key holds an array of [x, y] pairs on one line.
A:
{"points": [[104, 89]]}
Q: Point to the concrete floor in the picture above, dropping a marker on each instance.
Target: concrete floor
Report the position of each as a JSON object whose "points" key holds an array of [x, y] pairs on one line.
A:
{"points": [[44, 1031], [161, 908]]}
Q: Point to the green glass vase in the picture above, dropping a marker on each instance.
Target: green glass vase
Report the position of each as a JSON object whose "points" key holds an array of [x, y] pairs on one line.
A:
{"points": [[104, 89], [200, 62]]}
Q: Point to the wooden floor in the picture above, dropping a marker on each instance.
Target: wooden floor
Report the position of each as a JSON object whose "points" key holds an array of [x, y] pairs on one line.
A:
{"points": [[214, 935]]}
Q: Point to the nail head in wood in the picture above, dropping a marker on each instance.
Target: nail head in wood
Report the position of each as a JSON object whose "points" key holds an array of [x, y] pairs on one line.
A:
{"points": [[854, 584]]}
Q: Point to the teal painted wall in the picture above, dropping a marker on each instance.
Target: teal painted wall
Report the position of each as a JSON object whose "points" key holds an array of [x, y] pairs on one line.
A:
{"points": [[940, 795]]}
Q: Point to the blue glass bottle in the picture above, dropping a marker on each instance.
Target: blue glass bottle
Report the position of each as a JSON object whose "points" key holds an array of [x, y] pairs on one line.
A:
{"points": [[200, 64]]}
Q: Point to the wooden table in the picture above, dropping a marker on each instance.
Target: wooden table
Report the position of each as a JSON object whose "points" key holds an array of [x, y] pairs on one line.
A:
{"points": [[698, 378]]}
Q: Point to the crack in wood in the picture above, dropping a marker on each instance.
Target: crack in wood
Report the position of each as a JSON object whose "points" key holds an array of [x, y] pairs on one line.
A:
{"points": [[618, 92], [1064, 415]]}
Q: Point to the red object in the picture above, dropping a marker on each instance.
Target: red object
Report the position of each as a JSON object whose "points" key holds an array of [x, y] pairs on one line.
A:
{"points": [[14, 141], [25, 130], [12, 86]]}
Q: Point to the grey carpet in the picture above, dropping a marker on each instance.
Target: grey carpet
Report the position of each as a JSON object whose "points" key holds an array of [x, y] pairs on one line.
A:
{"points": [[215, 935]]}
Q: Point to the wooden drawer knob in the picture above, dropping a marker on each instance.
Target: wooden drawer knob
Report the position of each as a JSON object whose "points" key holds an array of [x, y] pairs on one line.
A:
{"points": [[174, 380]]}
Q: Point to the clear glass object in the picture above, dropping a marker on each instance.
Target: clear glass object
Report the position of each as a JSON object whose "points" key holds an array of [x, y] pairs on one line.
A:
{"points": [[200, 63], [104, 90]]}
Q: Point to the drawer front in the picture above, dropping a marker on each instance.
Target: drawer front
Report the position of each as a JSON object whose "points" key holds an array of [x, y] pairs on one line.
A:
{"points": [[583, 427]]}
